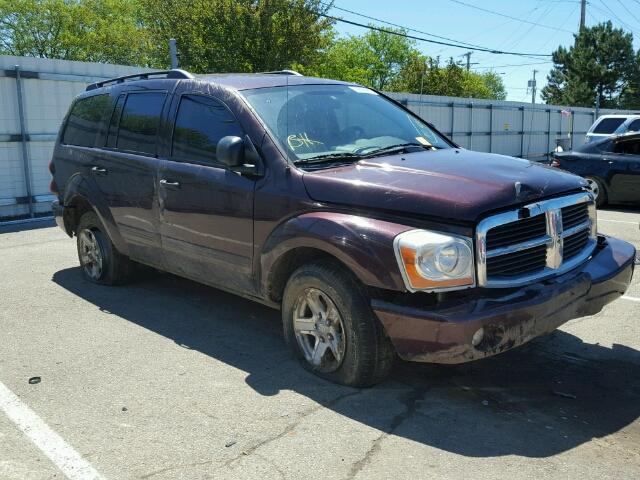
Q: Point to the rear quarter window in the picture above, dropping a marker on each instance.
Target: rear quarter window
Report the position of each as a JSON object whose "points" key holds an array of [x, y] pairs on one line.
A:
{"points": [[608, 125], [634, 126], [84, 120]]}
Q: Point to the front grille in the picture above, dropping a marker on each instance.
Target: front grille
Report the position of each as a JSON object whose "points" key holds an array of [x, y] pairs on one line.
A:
{"points": [[518, 263], [534, 242], [516, 232], [574, 215], [574, 244]]}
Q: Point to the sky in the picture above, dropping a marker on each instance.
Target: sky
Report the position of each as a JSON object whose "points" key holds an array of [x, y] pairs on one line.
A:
{"points": [[537, 26]]}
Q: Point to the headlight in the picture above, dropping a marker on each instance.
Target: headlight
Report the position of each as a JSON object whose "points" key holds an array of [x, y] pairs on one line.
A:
{"points": [[433, 261]]}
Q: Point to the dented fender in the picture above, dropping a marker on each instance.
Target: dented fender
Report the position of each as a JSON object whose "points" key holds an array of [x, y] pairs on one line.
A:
{"points": [[364, 245]]}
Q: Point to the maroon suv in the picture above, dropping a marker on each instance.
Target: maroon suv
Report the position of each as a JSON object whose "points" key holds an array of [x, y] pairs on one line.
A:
{"points": [[372, 232]]}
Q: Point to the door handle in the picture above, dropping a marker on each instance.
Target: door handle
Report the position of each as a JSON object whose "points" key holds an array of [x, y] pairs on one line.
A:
{"points": [[98, 170], [169, 184]]}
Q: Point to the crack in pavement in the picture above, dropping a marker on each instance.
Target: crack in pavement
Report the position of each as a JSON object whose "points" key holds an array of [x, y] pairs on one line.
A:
{"points": [[410, 401], [251, 450]]}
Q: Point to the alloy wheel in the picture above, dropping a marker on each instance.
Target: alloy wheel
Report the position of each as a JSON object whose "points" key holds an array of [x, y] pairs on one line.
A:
{"points": [[593, 187], [319, 330], [90, 254]]}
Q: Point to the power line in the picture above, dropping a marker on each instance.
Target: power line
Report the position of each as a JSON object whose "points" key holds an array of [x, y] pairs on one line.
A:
{"points": [[422, 39], [612, 13], [509, 16], [630, 12], [513, 65], [379, 20]]}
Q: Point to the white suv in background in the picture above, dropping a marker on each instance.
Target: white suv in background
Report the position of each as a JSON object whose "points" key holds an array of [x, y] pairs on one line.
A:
{"points": [[608, 125]]}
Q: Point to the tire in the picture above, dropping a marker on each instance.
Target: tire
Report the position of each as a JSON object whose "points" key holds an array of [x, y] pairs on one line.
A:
{"points": [[346, 344], [99, 260], [597, 187]]}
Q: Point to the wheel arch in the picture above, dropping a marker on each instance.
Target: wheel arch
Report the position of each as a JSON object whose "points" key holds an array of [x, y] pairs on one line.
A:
{"points": [[362, 246], [81, 194]]}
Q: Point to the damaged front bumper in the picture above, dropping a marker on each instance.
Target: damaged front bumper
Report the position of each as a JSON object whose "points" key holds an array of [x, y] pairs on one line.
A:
{"points": [[482, 323]]}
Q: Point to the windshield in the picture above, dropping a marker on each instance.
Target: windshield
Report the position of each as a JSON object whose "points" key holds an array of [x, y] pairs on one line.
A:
{"points": [[316, 121]]}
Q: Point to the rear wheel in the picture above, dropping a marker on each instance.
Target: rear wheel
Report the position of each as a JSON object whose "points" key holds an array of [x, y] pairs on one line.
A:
{"points": [[331, 329], [597, 188], [99, 259]]}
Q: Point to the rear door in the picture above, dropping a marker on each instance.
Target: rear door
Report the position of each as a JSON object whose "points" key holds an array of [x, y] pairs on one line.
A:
{"points": [[127, 169], [206, 210]]}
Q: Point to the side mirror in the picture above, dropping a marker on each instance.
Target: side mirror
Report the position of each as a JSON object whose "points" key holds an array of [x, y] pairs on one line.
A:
{"points": [[230, 151]]}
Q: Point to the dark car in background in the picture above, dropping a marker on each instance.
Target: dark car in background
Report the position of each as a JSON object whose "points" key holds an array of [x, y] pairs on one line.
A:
{"points": [[610, 166], [373, 233]]}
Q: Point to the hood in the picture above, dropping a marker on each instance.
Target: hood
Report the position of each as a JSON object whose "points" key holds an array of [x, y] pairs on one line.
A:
{"points": [[455, 184]]}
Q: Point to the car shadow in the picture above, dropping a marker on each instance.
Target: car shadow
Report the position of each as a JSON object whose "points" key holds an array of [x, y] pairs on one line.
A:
{"points": [[536, 401], [622, 208]]}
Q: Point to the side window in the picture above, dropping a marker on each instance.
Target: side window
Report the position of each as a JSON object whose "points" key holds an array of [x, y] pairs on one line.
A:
{"points": [[84, 121], [200, 123], [634, 126], [139, 122], [628, 148], [112, 136]]}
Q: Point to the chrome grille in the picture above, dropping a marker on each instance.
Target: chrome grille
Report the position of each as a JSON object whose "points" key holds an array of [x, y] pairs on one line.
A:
{"points": [[517, 263], [539, 240], [516, 232], [574, 215]]}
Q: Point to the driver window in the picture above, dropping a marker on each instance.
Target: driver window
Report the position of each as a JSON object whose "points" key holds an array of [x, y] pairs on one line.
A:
{"points": [[200, 124]]}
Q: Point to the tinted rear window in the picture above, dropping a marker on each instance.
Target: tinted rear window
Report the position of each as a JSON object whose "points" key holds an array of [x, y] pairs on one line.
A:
{"points": [[84, 121], [200, 124], [139, 122], [608, 125]]}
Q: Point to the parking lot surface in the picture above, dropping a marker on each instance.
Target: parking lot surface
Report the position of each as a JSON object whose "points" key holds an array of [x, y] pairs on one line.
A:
{"points": [[165, 378]]}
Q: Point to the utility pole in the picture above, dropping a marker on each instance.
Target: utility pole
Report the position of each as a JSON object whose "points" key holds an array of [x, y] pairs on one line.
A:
{"points": [[583, 12], [468, 55], [532, 85], [173, 53]]}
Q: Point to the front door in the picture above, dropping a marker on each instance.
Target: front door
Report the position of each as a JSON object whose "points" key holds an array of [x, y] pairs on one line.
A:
{"points": [[206, 210], [625, 183]]}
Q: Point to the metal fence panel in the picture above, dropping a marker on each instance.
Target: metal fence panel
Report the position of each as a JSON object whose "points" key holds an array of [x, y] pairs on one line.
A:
{"points": [[48, 87]]}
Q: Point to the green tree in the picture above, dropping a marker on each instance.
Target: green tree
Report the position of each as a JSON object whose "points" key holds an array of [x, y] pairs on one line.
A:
{"points": [[426, 75], [238, 35], [601, 61], [86, 30], [372, 59]]}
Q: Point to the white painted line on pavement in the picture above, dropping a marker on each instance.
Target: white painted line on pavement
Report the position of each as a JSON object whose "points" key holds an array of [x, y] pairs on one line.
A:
{"points": [[633, 299], [48, 442], [617, 221]]}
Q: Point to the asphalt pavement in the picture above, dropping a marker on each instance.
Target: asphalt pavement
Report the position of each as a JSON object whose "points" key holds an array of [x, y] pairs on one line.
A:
{"points": [[165, 378]]}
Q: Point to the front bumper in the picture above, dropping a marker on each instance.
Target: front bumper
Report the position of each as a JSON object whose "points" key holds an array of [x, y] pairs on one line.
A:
{"points": [[445, 333]]}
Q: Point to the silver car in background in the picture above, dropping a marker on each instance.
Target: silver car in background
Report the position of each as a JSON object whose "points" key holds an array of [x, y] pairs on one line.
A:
{"points": [[609, 125]]}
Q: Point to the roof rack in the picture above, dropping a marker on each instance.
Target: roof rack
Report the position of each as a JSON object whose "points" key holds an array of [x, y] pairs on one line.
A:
{"points": [[175, 73], [283, 72]]}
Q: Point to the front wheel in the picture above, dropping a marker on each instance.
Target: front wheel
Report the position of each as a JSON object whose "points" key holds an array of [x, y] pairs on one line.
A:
{"points": [[331, 328]]}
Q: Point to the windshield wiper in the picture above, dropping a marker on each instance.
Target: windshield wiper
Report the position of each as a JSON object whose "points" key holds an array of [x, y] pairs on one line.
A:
{"points": [[329, 157], [402, 147]]}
